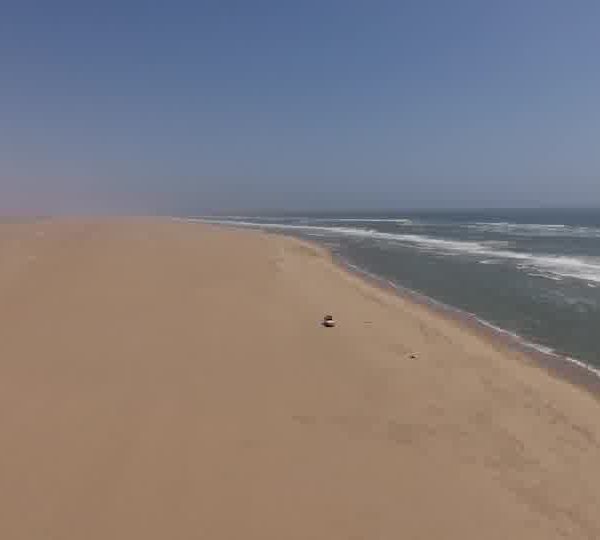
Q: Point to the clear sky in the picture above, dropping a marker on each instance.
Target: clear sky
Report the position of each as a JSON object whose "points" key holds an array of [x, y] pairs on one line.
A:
{"points": [[240, 105]]}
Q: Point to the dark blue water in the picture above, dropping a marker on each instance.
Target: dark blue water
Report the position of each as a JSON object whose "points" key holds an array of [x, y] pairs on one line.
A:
{"points": [[535, 273]]}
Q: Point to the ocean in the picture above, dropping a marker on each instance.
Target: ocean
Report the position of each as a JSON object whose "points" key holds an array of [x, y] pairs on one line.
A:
{"points": [[532, 273]]}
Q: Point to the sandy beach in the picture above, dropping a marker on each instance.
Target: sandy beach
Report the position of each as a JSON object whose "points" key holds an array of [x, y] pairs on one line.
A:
{"points": [[163, 379]]}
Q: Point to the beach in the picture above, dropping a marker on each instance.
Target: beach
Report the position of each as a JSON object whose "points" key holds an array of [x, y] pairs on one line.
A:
{"points": [[169, 379], [534, 274]]}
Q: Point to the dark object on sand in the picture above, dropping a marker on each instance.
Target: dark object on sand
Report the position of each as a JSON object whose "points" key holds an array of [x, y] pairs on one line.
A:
{"points": [[413, 356], [328, 321]]}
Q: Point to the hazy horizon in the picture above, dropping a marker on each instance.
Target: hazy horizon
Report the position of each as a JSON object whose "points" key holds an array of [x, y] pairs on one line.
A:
{"points": [[219, 107]]}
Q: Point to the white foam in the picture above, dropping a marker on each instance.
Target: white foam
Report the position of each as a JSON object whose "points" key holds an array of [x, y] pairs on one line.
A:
{"points": [[545, 275], [362, 220], [535, 229], [540, 348], [583, 365]]}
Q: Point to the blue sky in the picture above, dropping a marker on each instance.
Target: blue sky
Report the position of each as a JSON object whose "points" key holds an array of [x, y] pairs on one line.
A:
{"points": [[203, 106]]}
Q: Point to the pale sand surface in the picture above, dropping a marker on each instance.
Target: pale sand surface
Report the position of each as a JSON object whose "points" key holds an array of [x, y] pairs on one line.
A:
{"points": [[164, 380]]}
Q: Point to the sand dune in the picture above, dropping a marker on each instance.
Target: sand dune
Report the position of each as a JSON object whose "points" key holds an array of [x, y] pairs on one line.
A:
{"points": [[171, 380]]}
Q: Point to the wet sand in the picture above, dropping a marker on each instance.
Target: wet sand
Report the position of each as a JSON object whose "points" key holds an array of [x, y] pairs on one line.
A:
{"points": [[165, 379]]}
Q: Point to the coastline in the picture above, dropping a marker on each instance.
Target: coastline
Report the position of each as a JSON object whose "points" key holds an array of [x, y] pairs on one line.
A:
{"points": [[556, 320], [165, 379], [563, 367], [571, 370]]}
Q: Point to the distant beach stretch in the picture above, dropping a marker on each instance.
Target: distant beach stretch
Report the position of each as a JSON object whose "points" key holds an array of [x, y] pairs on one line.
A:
{"points": [[534, 274], [168, 379]]}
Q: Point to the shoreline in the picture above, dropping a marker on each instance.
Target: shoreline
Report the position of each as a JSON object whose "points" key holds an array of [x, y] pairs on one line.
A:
{"points": [[563, 367], [569, 369]]}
